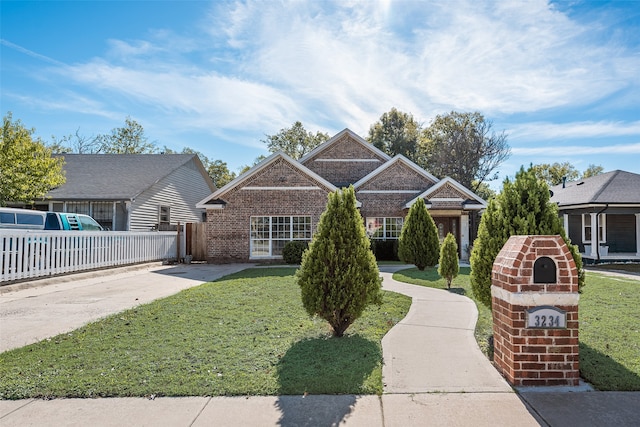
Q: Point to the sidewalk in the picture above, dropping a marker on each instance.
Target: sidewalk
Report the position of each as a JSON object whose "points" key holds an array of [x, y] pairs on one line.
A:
{"points": [[434, 374]]}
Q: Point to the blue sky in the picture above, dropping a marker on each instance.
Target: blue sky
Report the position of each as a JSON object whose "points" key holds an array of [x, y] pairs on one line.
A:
{"points": [[561, 78]]}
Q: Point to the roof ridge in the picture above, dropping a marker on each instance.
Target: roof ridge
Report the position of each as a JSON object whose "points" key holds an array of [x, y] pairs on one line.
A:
{"points": [[605, 185]]}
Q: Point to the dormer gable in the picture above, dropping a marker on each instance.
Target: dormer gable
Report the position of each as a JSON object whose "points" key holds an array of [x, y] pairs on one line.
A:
{"points": [[278, 172], [450, 194], [398, 174], [344, 159]]}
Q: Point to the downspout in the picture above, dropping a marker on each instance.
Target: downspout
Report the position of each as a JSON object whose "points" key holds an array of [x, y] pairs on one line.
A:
{"points": [[598, 231]]}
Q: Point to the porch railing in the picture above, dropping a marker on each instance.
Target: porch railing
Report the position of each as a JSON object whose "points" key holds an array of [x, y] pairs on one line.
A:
{"points": [[30, 254]]}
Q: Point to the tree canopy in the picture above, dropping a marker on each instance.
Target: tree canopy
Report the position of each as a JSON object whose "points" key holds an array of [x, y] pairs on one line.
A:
{"points": [[294, 141], [464, 147], [396, 133], [27, 169], [554, 173], [129, 139]]}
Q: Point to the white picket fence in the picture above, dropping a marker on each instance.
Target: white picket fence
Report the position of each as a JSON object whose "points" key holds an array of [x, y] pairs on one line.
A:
{"points": [[29, 254]]}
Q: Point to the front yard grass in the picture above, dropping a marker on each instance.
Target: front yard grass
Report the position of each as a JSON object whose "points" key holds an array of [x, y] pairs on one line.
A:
{"points": [[609, 325], [245, 334]]}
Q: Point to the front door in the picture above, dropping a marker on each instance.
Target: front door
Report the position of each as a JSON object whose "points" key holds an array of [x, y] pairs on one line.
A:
{"points": [[446, 225]]}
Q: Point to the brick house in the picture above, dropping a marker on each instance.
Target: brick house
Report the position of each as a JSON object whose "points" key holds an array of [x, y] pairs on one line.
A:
{"points": [[281, 199]]}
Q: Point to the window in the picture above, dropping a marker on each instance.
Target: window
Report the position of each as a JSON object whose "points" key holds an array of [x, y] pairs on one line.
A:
{"points": [[164, 214], [384, 228], [79, 207], [269, 234], [587, 233]]}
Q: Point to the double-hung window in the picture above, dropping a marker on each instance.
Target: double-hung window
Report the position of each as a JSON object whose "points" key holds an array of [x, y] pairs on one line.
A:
{"points": [[384, 228], [587, 232], [269, 234]]}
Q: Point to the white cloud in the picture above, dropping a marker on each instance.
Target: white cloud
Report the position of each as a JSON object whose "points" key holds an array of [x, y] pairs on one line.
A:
{"points": [[568, 150], [540, 131]]}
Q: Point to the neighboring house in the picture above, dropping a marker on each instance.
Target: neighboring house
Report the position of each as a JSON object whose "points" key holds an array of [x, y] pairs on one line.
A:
{"points": [[281, 199], [608, 203], [132, 191]]}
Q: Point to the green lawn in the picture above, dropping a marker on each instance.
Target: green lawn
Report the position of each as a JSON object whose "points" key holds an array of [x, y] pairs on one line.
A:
{"points": [[246, 334], [609, 325]]}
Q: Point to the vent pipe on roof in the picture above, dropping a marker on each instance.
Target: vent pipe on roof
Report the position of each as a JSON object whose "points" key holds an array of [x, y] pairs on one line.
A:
{"points": [[564, 181]]}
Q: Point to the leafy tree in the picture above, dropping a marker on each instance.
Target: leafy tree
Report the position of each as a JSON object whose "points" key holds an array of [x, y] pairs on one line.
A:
{"points": [[339, 276], [129, 139], [396, 133], [27, 170], [483, 190], [419, 243], [592, 170], [295, 141], [217, 170], [257, 160], [522, 208], [220, 174], [448, 266], [464, 147], [553, 174]]}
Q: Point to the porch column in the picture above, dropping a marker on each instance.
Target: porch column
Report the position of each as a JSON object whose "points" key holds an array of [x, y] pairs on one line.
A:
{"points": [[464, 236], [594, 234], [565, 219], [638, 234], [113, 216]]}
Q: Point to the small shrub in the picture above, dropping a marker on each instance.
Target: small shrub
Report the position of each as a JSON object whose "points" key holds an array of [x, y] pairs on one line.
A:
{"points": [[449, 267], [292, 251]]}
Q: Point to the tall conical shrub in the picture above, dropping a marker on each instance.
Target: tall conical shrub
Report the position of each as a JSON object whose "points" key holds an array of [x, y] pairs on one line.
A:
{"points": [[419, 244], [521, 208], [339, 276], [448, 266]]}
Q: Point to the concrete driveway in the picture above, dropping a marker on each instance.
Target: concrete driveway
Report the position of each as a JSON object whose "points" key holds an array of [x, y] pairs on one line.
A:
{"points": [[33, 311]]}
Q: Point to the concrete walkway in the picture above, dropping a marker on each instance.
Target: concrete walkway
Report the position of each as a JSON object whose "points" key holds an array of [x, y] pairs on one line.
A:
{"points": [[434, 373]]}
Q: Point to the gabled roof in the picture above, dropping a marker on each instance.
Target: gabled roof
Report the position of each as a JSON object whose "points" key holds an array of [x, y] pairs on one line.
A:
{"points": [[616, 187], [399, 158], [473, 201], [325, 145], [216, 197], [117, 176]]}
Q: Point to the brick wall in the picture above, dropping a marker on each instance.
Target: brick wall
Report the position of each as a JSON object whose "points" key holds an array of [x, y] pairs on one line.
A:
{"points": [[529, 356], [330, 164]]}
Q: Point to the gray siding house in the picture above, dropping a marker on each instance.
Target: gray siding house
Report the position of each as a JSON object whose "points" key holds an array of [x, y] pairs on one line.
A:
{"points": [[138, 192], [601, 215]]}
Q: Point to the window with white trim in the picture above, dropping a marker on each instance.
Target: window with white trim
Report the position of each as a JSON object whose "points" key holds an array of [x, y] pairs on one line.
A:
{"points": [[384, 228], [587, 233], [269, 234], [164, 214]]}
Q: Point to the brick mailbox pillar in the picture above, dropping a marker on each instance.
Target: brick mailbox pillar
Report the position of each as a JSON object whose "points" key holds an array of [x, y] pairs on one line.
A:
{"points": [[534, 295]]}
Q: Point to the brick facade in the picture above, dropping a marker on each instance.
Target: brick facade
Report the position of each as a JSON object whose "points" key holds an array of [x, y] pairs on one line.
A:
{"points": [[281, 186], [529, 356]]}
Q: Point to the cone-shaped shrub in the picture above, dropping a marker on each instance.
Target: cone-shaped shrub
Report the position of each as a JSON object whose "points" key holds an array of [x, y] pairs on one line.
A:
{"points": [[339, 276], [419, 244], [522, 208], [448, 266]]}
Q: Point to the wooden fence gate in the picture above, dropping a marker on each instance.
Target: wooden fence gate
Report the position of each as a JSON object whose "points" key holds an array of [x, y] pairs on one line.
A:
{"points": [[196, 240]]}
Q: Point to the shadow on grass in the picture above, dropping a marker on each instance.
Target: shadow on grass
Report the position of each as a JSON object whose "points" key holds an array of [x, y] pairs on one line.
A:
{"points": [[459, 291], [604, 373], [322, 366]]}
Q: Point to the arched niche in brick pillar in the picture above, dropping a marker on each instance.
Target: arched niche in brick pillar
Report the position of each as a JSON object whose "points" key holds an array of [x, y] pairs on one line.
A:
{"points": [[535, 278]]}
